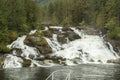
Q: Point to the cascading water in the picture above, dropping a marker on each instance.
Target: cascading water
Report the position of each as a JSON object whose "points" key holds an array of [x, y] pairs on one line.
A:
{"points": [[12, 61], [54, 44], [88, 48]]}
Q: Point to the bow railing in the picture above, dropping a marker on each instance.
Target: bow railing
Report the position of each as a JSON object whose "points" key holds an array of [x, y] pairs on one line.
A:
{"points": [[53, 77]]}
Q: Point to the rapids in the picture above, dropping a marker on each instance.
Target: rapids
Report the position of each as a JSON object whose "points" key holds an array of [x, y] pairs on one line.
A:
{"points": [[86, 49]]}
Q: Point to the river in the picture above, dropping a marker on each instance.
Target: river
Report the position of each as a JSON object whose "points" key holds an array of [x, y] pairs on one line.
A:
{"points": [[78, 72]]}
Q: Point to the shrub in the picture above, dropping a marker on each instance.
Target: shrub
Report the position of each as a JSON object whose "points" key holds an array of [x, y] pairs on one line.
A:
{"points": [[4, 49], [115, 33]]}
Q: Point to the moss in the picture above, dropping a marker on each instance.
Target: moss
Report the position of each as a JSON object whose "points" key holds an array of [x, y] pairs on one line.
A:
{"points": [[13, 35], [4, 49], [38, 34], [41, 42], [43, 34], [47, 33]]}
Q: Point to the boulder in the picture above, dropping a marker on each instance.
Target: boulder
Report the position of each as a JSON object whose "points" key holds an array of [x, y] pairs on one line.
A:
{"points": [[72, 36], [68, 33], [26, 63], [47, 61], [38, 42], [62, 38]]}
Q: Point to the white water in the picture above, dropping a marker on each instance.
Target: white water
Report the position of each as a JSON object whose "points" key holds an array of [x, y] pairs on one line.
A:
{"points": [[26, 50], [32, 32], [12, 62], [89, 47], [54, 44]]}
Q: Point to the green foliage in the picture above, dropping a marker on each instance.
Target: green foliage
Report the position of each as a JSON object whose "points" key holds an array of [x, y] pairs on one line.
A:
{"points": [[4, 49], [16, 17], [111, 23], [101, 14], [115, 33]]}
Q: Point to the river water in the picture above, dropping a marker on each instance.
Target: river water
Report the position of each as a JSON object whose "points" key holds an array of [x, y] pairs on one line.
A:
{"points": [[78, 72]]}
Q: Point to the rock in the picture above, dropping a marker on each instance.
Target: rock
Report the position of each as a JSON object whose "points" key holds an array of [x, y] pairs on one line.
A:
{"points": [[68, 33], [2, 58], [31, 56], [26, 63], [17, 52], [116, 61], [100, 61], [72, 35], [76, 60], [38, 42], [53, 30], [62, 38], [91, 60], [115, 44], [66, 29], [40, 58], [47, 61], [46, 33]]}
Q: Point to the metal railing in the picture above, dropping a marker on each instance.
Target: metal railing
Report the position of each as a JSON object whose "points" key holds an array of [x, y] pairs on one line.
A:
{"points": [[52, 75]]}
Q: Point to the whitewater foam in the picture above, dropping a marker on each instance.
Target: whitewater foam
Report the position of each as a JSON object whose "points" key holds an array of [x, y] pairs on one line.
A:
{"points": [[12, 61], [88, 48]]}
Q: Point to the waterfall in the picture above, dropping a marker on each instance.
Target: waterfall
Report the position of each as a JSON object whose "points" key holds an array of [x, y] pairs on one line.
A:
{"points": [[55, 45], [89, 48], [12, 60]]}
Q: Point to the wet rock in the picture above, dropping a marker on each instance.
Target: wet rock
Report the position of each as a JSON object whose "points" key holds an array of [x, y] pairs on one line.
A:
{"points": [[76, 60], [47, 61], [45, 34], [66, 29], [116, 61], [100, 61], [54, 31], [91, 60], [26, 63], [17, 52], [40, 58], [72, 36], [68, 34], [38, 42], [31, 56], [2, 58], [62, 38], [115, 44]]}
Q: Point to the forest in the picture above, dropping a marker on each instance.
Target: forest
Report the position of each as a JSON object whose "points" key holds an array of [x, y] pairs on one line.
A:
{"points": [[18, 17]]}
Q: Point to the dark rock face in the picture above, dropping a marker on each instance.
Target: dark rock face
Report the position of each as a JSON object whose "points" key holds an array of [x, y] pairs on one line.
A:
{"points": [[72, 36], [62, 37]]}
